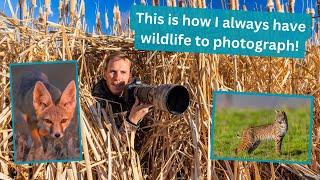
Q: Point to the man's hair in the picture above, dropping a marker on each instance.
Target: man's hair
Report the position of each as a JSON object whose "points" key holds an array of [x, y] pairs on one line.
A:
{"points": [[117, 54]]}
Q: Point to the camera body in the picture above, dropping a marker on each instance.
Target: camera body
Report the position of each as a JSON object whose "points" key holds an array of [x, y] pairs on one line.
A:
{"points": [[171, 98], [129, 93]]}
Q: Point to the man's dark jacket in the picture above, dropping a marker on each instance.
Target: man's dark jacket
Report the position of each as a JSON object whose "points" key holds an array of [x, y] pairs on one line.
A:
{"points": [[118, 105], [101, 90]]}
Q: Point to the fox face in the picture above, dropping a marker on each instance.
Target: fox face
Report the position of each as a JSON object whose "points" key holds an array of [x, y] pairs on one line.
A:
{"points": [[54, 117]]}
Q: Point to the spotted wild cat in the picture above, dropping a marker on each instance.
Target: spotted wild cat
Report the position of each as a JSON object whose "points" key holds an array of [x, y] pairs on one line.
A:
{"points": [[252, 136]]}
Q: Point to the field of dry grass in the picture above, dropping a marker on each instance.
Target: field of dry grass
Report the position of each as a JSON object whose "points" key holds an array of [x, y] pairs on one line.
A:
{"points": [[175, 145]]}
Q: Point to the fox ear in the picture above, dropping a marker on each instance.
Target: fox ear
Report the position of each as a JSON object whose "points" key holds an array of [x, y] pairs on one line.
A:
{"points": [[41, 97], [68, 97]]}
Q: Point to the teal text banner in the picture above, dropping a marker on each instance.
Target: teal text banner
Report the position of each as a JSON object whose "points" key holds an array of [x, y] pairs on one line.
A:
{"points": [[220, 31]]}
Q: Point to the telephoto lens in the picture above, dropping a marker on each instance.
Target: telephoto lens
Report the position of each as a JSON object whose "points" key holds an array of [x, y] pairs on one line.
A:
{"points": [[172, 98]]}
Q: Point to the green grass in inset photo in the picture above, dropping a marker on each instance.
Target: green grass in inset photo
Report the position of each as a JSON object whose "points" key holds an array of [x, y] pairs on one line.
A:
{"points": [[230, 122]]}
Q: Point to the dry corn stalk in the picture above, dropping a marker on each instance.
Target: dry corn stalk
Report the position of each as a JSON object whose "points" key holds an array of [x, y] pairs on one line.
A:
{"points": [[232, 4], [117, 29], [82, 8], [193, 3], [244, 8], [270, 5], [34, 3], [155, 2], [106, 20], [204, 5], [129, 29], [98, 23], [308, 10], [61, 9], [291, 5], [42, 17], [315, 38], [312, 12], [47, 6], [174, 3], [117, 14], [318, 23], [23, 9], [279, 6], [181, 3], [3, 106], [201, 4], [33, 6], [237, 4], [65, 8], [73, 4]]}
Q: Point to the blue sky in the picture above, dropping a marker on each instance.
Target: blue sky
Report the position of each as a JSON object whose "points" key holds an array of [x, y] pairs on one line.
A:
{"points": [[107, 5]]}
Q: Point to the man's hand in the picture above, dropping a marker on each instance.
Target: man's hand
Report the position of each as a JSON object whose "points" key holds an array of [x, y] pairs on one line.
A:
{"points": [[138, 111]]}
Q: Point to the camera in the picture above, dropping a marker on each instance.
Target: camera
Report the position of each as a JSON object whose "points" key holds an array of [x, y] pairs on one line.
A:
{"points": [[172, 98]]}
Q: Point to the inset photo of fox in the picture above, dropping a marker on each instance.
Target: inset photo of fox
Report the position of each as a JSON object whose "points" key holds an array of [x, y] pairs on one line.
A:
{"points": [[262, 127], [45, 108]]}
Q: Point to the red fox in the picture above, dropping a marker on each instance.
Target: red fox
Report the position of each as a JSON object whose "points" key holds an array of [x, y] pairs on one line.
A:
{"points": [[43, 109]]}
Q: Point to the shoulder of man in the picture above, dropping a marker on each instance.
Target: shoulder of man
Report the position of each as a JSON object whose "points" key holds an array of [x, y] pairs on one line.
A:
{"points": [[99, 89]]}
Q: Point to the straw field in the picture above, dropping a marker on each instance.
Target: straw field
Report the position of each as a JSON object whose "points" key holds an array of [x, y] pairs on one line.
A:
{"points": [[172, 146]]}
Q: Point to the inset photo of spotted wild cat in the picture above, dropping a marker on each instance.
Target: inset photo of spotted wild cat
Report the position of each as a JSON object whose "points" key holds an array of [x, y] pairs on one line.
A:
{"points": [[262, 127], [252, 136]]}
